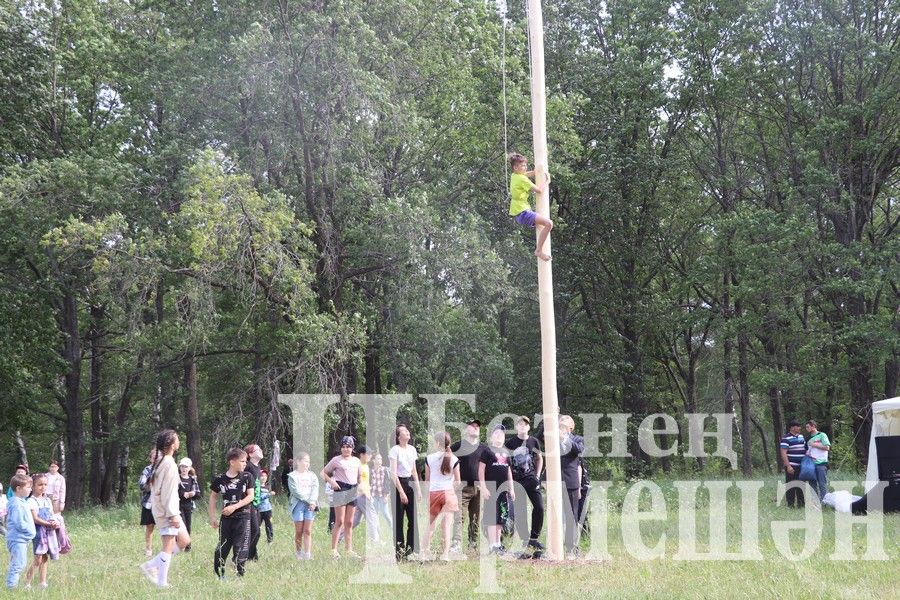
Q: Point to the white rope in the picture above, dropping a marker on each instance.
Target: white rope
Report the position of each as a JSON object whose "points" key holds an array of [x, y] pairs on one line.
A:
{"points": [[528, 39], [505, 139]]}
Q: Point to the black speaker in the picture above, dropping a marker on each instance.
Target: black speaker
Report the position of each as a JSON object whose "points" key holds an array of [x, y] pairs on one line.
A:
{"points": [[887, 447]]}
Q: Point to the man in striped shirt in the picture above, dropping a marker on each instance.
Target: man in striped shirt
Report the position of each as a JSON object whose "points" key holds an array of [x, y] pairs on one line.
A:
{"points": [[793, 449]]}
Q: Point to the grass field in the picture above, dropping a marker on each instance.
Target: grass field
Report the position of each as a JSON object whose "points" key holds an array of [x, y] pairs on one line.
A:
{"points": [[108, 546]]}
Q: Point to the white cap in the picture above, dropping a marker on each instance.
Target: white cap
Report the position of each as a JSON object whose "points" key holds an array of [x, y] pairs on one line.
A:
{"points": [[185, 462]]}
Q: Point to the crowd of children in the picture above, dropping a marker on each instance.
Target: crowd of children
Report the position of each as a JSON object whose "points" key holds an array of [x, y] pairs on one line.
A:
{"points": [[361, 488], [31, 514]]}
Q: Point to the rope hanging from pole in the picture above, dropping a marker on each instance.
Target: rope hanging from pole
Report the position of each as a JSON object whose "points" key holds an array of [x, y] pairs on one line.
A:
{"points": [[504, 8], [503, 68]]}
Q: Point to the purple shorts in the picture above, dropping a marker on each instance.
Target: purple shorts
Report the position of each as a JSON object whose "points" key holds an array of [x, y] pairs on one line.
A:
{"points": [[526, 218]]}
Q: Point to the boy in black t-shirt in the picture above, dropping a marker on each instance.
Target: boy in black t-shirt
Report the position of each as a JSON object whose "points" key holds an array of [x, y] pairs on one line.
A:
{"points": [[527, 462], [237, 489]]}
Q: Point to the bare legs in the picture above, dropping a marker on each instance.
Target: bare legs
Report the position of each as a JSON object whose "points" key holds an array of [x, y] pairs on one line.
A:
{"points": [[303, 538], [544, 226], [343, 521], [148, 539], [39, 564], [448, 534]]}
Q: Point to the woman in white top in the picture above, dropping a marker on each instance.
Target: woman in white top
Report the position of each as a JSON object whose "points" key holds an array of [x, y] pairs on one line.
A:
{"points": [[442, 474], [403, 473]]}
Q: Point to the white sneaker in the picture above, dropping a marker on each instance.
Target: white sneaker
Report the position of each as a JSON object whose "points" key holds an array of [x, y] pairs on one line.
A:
{"points": [[149, 572]]}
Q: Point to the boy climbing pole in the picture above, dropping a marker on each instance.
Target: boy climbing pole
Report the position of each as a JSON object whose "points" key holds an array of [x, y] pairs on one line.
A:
{"points": [[519, 207]]}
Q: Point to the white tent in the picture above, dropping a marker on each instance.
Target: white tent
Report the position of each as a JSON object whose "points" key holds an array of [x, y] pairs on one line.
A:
{"points": [[885, 421]]}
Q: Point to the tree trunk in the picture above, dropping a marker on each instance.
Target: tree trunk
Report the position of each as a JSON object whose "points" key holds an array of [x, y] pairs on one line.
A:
{"points": [[891, 375], [192, 414], [743, 376], [774, 393], [117, 451], [165, 402], [21, 452], [62, 457], [861, 397], [892, 367], [762, 435], [122, 493], [98, 424], [259, 403], [633, 394], [690, 380], [75, 437], [727, 351]]}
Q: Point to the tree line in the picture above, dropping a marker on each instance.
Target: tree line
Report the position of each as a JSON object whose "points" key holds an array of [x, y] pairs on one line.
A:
{"points": [[203, 205]]}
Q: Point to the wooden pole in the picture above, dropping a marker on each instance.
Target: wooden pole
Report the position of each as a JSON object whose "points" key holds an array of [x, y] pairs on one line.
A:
{"points": [[545, 290]]}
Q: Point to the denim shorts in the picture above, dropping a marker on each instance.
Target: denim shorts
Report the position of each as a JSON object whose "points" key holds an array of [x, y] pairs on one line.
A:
{"points": [[302, 512]]}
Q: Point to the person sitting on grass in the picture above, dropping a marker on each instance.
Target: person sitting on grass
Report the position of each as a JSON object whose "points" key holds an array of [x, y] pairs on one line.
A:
{"points": [[519, 207]]}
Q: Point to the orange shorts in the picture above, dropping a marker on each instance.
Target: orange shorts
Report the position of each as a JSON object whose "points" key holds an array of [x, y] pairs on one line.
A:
{"points": [[442, 501]]}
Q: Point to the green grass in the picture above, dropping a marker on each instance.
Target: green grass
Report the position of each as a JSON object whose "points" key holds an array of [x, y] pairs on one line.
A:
{"points": [[108, 546]]}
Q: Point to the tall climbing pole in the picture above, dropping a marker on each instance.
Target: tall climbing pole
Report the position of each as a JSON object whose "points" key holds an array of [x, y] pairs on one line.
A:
{"points": [[545, 289]]}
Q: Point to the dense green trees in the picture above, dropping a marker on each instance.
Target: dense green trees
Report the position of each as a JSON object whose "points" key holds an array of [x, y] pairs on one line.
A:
{"points": [[205, 204]]}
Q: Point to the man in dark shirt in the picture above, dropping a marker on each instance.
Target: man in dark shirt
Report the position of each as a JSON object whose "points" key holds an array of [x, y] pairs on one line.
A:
{"points": [[792, 449], [571, 448], [470, 452], [527, 464]]}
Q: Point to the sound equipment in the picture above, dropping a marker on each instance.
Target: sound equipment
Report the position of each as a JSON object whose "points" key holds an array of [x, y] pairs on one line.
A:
{"points": [[887, 448]]}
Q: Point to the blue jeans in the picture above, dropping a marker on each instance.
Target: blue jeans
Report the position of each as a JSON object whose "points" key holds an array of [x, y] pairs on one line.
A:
{"points": [[382, 507], [18, 558], [821, 482]]}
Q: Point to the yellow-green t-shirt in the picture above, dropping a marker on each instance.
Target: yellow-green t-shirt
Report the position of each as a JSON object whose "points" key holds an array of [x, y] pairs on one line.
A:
{"points": [[364, 486], [519, 187]]}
